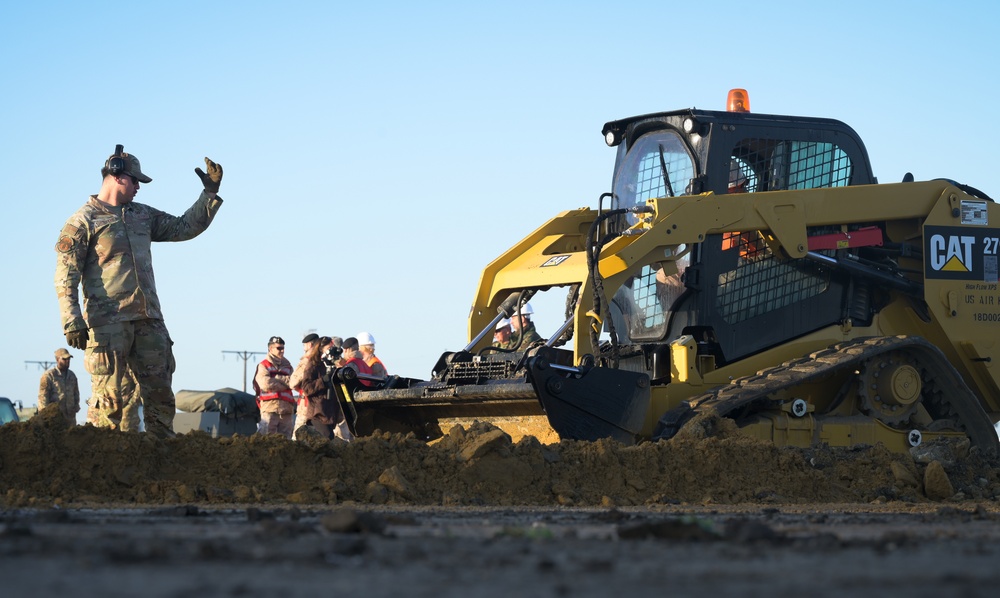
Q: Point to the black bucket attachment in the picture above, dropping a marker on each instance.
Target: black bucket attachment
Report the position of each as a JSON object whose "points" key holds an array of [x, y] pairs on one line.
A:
{"points": [[591, 403], [579, 403]]}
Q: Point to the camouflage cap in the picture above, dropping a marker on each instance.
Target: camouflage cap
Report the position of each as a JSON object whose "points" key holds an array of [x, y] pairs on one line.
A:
{"points": [[132, 167], [62, 353]]}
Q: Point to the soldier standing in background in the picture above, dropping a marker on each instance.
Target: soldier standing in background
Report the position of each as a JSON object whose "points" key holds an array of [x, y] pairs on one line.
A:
{"points": [[106, 247], [58, 386], [274, 395]]}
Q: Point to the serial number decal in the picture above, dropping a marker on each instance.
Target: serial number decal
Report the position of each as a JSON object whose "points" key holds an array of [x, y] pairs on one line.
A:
{"points": [[985, 317], [975, 212]]}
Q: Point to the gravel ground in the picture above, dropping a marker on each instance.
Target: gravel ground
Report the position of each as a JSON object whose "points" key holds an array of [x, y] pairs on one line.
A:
{"points": [[825, 550]]}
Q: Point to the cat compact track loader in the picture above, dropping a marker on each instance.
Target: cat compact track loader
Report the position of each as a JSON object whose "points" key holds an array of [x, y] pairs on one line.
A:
{"points": [[746, 265]]}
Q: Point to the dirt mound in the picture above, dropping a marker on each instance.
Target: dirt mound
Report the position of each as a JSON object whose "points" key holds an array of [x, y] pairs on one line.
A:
{"points": [[44, 462]]}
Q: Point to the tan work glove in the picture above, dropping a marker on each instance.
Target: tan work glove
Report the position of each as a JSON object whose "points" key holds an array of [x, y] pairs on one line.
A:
{"points": [[77, 339], [213, 178]]}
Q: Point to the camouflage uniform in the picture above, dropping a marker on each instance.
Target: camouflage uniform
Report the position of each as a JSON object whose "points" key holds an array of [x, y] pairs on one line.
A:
{"points": [[108, 250], [93, 413], [62, 389], [504, 345], [97, 415], [530, 336], [277, 415]]}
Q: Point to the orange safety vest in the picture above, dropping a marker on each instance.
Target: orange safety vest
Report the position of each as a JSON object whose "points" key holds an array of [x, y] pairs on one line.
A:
{"points": [[284, 395], [371, 361]]}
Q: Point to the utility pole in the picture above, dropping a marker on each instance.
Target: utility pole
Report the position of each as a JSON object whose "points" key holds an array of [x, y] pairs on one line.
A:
{"points": [[42, 365], [245, 356]]}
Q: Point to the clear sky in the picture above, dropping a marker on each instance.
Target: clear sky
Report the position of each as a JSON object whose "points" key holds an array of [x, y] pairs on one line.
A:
{"points": [[377, 155]]}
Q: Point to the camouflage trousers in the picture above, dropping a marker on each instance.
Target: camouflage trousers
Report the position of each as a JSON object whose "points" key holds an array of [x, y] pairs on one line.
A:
{"points": [[276, 423], [131, 363], [130, 412]]}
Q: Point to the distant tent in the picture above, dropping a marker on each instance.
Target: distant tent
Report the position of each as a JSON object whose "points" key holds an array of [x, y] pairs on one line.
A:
{"points": [[231, 403], [222, 412]]}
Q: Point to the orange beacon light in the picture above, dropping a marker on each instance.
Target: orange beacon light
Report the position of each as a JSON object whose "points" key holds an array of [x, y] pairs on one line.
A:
{"points": [[738, 101]]}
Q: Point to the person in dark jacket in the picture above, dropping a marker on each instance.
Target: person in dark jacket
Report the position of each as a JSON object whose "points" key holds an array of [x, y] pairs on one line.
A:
{"points": [[322, 413]]}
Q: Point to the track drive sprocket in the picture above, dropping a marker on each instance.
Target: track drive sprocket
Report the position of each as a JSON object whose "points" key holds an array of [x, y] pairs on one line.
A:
{"points": [[890, 386]]}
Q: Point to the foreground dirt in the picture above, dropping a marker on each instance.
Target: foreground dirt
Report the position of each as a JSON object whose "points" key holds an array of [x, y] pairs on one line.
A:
{"points": [[88, 512], [45, 463]]}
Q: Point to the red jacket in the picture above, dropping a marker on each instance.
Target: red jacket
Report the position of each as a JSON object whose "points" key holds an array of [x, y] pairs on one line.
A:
{"points": [[361, 366]]}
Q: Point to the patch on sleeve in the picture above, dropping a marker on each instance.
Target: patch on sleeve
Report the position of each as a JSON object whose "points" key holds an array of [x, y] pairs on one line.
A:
{"points": [[64, 244], [69, 237]]}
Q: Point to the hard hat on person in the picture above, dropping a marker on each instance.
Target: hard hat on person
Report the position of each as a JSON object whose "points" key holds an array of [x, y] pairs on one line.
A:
{"points": [[526, 310], [365, 338], [504, 323]]}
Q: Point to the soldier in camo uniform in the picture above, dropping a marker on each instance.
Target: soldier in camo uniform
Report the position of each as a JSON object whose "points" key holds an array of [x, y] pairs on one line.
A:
{"points": [[501, 335], [58, 386], [521, 323], [274, 397], [105, 246]]}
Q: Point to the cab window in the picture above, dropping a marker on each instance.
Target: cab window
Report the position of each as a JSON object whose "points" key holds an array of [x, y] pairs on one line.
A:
{"points": [[640, 175], [657, 165]]}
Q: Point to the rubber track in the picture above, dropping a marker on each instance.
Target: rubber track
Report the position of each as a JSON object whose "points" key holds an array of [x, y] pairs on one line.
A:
{"points": [[952, 391]]}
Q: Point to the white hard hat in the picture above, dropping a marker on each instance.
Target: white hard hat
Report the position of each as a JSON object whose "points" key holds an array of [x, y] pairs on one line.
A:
{"points": [[503, 323], [365, 338], [526, 310]]}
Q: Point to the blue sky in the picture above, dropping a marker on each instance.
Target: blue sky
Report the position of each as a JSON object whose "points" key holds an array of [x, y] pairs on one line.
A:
{"points": [[377, 156]]}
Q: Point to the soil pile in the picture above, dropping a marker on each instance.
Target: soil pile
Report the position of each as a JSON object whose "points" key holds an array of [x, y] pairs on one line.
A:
{"points": [[45, 462]]}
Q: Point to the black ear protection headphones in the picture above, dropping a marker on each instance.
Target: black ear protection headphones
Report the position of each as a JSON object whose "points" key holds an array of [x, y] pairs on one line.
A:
{"points": [[116, 163]]}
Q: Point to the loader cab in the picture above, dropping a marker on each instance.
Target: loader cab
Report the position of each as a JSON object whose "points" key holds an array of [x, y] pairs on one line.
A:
{"points": [[699, 148], [716, 295]]}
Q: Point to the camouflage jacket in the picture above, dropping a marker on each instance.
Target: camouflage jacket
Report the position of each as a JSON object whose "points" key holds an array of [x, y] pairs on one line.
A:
{"points": [[108, 250], [530, 336], [504, 345], [60, 388], [277, 381]]}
